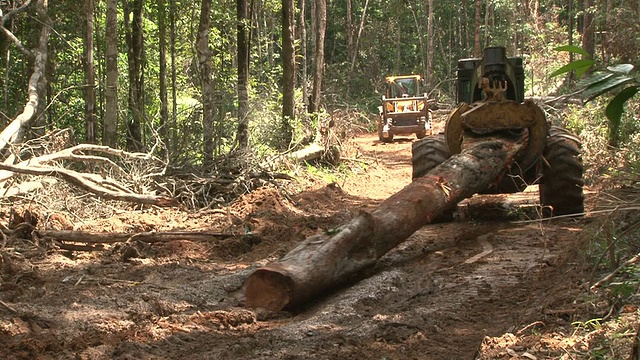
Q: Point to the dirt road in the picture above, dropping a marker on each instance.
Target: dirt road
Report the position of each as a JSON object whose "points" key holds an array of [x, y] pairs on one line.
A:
{"points": [[436, 296]]}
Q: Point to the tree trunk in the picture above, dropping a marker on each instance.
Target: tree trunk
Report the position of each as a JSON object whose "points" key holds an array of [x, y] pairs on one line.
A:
{"points": [[588, 30], [205, 64], [430, 49], [302, 36], [570, 34], [354, 55], [110, 122], [89, 75], [174, 94], [349, 30], [477, 49], [242, 137], [288, 70], [318, 65], [37, 89], [135, 44], [162, 48]]}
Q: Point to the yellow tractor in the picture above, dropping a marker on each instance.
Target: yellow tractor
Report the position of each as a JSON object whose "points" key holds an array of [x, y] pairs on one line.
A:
{"points": [[404, 110]]}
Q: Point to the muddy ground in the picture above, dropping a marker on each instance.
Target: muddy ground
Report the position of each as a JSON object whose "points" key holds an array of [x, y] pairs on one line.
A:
{"points": [[466, 289]]}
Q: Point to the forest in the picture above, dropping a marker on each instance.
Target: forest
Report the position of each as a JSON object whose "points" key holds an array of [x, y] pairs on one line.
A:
{"points": [[157, 153], [196, 81]]}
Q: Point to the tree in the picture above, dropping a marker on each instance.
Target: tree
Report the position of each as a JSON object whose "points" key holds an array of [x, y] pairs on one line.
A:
{"points": [[110, 124], [477, 48], [33, 111], [242, 136], [206, 83], [430, 32], [89, 71], [320, 16], [302, 37], [288, 69], [136, 56], [162, 47]]}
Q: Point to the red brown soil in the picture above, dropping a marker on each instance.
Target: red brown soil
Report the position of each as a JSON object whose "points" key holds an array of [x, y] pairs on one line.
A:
{"points": [[436, 296]]}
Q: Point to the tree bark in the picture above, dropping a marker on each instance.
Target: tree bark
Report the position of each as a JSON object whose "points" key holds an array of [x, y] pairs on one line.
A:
{"points": [[110, 126], [205, 63], [288, 70], [174, 93], [477, 49], [302, 36], [318, 65], [588, 30], [162, 47], [242, 137], [430, 49], [324, 260], [90, 75], [135, 44]]}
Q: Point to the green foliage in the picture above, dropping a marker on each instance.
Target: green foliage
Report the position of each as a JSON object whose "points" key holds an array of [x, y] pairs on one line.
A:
{"points": [[616, 80]]}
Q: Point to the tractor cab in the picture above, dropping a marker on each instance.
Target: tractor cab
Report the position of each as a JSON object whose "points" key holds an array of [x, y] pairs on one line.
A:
{"points": [[402, 86]]}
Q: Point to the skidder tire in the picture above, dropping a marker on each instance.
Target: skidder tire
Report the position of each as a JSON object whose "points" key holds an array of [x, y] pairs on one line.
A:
{"points": [[561, 185], [428, 153]]}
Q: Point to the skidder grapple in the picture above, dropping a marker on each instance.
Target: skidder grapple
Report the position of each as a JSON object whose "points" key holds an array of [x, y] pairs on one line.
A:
{"points": [[404, 111], [490, 92]]}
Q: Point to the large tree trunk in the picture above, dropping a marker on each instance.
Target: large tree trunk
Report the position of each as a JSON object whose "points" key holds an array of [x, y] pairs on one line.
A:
{"points": [[89, 75], [318, 64], [288, 70], [324, 260], [205, 63], [242, 137], [135, 43], [110, 123]]}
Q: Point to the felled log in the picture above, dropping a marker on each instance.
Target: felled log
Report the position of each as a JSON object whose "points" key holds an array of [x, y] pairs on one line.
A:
{"points": [[317, 151], [325, 260]]}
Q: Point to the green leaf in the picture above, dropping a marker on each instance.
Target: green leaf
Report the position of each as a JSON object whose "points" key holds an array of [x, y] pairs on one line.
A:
{"points": [[616, 106], [594, 78], [623, 69], [573, 49], [578, 65], [602, 87]]}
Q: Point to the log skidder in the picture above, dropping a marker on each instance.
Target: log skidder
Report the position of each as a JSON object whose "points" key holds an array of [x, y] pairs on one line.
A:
{"points": [[491, 92]]}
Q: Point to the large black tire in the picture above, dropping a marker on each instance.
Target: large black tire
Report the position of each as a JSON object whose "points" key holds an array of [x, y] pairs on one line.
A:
{"points": [[428, 153], [561, 184]]}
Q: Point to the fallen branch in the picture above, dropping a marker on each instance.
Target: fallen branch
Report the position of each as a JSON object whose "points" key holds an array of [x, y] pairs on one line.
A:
{"points": [[147, 236], [93, 184]]}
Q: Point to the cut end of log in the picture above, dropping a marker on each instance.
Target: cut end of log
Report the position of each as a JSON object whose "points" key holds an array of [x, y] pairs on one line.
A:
{"points": [[268, 289]]}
